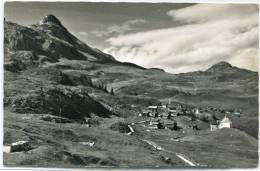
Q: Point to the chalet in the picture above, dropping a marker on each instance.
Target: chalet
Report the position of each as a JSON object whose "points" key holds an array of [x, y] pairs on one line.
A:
{"points": [[225, 123], [154, 122], [146, 113], [163, 114], [237, 113], [164, 106], [159, 124], [172, 111], [153, 108], [213, 125]]}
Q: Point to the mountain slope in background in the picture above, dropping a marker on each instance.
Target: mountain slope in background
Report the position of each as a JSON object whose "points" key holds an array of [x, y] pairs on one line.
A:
{"points": [[50, 71]]}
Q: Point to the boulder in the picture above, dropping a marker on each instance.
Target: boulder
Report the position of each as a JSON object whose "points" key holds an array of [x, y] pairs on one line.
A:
{"points": [[20, 146], [122, 127]]}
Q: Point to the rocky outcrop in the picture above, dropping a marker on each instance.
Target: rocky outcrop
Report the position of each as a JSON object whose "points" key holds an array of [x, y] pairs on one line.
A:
{"points": [[65, 102], [51, 19], [20, 60], [121, 127]]}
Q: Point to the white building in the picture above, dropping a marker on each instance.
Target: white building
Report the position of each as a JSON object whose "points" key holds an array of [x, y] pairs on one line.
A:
{"points": [[225, 123], [197, 111]]}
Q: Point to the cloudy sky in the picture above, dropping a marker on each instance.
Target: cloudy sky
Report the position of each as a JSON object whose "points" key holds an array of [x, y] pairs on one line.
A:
{"points": [[176, 37]]}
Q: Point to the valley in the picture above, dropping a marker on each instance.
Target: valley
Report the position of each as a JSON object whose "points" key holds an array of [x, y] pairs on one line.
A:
{"points": [[73, 104]]}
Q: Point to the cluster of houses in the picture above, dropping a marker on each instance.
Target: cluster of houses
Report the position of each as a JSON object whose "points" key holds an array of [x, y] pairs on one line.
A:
{"points": [[162, 113], [165, 111]]}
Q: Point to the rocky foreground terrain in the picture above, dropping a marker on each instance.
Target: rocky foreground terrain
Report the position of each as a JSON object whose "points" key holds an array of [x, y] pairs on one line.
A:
{"points": [[61, 96]]}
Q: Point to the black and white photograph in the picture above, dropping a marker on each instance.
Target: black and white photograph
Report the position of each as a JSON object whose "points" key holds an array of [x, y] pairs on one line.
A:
{"points": [[148, 85]]}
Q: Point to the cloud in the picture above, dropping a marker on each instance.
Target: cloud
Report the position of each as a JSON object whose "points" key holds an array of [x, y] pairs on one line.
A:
{"points": [[82, 33], [209, 33], [119, 29], [208, 12]]}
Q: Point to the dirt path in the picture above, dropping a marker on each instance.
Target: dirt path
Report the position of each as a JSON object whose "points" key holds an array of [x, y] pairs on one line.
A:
{"points": [[185, 160], [157, 147], [181, 156]]}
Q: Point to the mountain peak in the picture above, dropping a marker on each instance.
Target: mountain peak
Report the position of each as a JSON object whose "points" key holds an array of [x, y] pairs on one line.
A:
{"points": [[220, 66], [50, 19]]}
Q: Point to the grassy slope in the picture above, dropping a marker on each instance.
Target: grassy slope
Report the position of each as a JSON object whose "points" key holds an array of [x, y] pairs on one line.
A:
{"points": [[58, 145], [53, 149]]}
